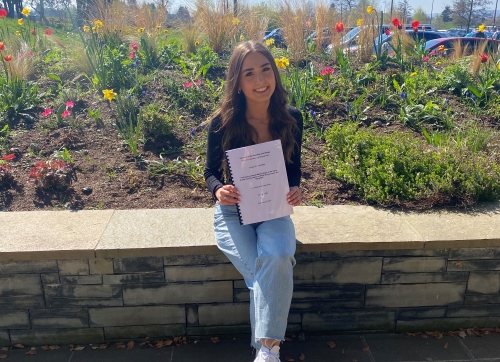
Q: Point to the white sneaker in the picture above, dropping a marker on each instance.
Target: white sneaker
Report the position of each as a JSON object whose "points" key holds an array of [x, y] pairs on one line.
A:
{"points": [[268, 355]]}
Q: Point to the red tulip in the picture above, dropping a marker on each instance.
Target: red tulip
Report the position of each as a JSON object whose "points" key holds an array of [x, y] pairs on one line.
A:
{"points": [[8, 58], [397, 23], [3, 13], [32, 31], [387, 31], [415, 25], [9, 157], [484, 58], [48, 32], [339, 27], [2, 45]]}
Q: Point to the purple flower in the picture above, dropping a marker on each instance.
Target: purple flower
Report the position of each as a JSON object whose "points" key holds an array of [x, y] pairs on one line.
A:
{"points": [[153, 94], [313, 114], [192, 132], [403, 95], [143, 93], [447, 101], [467, 93], [348, 107], [473, 97], [203, 126]]}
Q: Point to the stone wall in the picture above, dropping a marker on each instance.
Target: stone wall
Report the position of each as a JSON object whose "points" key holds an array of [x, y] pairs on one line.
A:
{"points": [[99, 299]]}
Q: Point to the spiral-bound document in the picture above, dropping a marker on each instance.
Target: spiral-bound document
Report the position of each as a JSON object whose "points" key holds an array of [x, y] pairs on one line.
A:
{"points": [[259, 174]]}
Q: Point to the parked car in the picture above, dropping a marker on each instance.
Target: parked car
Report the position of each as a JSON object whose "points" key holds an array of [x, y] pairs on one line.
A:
{"points": [[479, 34], [425, 27], [469, 44], [352, 35], [417, 35], [455, 32]]}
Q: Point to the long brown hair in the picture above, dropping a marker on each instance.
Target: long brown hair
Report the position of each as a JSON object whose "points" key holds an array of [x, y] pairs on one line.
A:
{"points": [[237, 131]]}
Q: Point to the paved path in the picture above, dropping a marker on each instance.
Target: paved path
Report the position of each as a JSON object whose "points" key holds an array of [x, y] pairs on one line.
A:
{"points": [[349, 348]]}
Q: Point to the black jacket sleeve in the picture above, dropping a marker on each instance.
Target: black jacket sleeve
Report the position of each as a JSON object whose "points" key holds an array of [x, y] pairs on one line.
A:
{"points": [[293, 170], [213, 165]]}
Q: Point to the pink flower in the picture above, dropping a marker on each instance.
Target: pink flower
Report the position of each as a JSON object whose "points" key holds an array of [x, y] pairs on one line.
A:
{"points": [[46, 112], [327, 70], [69, 104], [131, 55], [308, 24], [65, 114], [197, 82], [424, 59], [134, 46], [48, 32], [188, 84]]}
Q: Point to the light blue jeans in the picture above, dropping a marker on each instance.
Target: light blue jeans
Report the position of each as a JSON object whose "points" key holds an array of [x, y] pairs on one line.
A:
{"points": [[264, 255]]}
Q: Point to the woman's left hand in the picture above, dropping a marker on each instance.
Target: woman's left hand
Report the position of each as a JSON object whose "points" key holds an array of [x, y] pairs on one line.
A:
{"points": [[294, 196]]}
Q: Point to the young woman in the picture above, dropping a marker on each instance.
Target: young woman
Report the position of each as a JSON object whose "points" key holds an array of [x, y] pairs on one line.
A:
{"points": [[254, 110]]}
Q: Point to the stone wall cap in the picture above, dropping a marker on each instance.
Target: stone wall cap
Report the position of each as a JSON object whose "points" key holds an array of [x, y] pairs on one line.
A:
{"points": [[160, 232]]}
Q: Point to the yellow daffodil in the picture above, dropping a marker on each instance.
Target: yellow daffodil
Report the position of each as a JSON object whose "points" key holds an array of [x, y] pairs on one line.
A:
{"points": [[18, 33], [20, 21], [282, 63], [437, 63], [98, 23], [481, 28], [236, 21], [141, 30], [158, 26], [26, 12], [196, 43], [86, 28], [242, 38], [319, 79], [394, 75], [413, 74], [165, 30], [94, 29], [109, 94], [359, 22], [369, 9], [296, 18], [498, 66], [269, 41]]}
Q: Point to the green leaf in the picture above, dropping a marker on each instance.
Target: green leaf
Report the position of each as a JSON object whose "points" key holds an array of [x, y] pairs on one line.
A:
{"points": [[54, 77]]}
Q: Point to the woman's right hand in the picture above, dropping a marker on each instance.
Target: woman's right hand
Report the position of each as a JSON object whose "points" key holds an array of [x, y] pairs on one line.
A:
{"points": [[228, 195]]}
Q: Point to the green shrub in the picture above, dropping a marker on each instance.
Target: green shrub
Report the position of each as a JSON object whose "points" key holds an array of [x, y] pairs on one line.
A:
{"points": [[156, 122], [398, 168]]}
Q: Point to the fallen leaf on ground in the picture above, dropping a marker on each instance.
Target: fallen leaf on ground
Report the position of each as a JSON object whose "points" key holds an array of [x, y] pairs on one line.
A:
{"points": [[366, 349], [2, 356], [130, 345], [120, 345], [104, 346], [79, 348], [445, 345], [302, 357], [45, 348], [425, 336], [215, 340], [458, 265], [289, 359], [31, 352], [462, 334], [19, 345], [95, 347], [52, 348], [5, 349], [412, 334], [331, 344]]}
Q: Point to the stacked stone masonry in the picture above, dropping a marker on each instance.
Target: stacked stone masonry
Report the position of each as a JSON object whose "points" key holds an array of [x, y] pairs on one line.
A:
{"points": [[99, 300]]}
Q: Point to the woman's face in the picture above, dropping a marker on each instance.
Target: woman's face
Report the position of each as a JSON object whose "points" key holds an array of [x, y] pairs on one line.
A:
{"points": [[257, 81]]}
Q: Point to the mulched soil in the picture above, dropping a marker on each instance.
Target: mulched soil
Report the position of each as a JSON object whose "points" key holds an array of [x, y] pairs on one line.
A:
{"points": [[106, 176]]}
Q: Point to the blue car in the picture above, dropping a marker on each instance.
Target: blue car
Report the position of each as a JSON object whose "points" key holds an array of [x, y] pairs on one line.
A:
{"points": [[277, 35]]}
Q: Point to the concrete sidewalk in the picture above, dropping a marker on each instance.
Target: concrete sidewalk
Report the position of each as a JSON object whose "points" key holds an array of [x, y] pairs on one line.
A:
{"points": [[348, 348]]}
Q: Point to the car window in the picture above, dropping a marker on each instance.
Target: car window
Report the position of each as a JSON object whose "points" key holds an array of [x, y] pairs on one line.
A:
{"points": [[431, 36]]}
